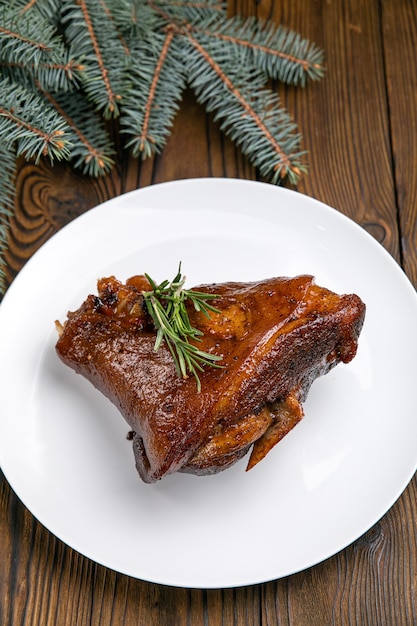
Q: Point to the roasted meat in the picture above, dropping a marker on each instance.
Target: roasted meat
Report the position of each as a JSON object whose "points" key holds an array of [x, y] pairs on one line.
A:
{"points": [[275, 337]]}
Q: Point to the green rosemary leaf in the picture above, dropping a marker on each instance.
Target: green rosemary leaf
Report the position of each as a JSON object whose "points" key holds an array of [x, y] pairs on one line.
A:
{"points": [[166, 305]]}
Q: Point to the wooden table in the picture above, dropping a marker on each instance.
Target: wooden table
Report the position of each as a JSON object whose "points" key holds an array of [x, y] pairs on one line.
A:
{"points": [[360, 128]]}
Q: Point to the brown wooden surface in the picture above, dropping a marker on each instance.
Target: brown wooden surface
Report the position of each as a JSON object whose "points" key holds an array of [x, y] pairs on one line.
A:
{"points": [[360, 127]]}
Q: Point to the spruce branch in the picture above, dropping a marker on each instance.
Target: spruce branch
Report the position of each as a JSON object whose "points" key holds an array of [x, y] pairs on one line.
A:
{"points": [[28, 41], [27, 123], [158, 79], [92, 33], [182, 12], [281, 53], [65, 75], [135, 19], [250, 114], [48, 9], [7, 193], [109, 8], [31, 48], [67, 66], [90, 144]]}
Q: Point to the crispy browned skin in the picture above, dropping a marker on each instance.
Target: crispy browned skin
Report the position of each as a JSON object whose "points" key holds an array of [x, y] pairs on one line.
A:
{"points": [[275, 336]]}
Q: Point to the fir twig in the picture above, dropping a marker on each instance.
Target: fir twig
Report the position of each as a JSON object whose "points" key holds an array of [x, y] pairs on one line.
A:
{"points": [[94, 36], [63, 76], [153, 99], [7, 173], [28, 41], [251, 115], [190, 11], [133, 59], [26, 122], [281, 53], [91, 147], [48, 9], [135, 19]]}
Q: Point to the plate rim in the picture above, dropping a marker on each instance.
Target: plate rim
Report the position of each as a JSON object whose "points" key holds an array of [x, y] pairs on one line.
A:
{"points": [[215, 180]]}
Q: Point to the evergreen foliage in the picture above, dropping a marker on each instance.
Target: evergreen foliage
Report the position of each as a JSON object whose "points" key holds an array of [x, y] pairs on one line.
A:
{"points": [[67, 66], [7, 170]]}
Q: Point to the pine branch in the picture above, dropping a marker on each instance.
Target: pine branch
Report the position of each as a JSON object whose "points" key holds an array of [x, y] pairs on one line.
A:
{"points": [[27, 123], [63, 76], [108, 9], [91, 33], [158, 80], [48, 9], [91, 147], [7, 192], [248, 113], [28, 41], [133, 58], [25, 58], [183, 12], [281, 53], [135, 19]]}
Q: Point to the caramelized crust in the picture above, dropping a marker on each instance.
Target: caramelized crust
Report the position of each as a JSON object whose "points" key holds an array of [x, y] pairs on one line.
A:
{"points": [[275, 337]]}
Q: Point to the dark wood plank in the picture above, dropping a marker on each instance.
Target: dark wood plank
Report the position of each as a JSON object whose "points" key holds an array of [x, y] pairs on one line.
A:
{"points": [[42, 580], [345, 121], [49, 197], [399, 24], [344, 118], [354, 130]]}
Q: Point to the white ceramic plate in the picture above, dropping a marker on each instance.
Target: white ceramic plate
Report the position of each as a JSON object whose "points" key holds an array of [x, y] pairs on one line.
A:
{"points": [[63, 446]]}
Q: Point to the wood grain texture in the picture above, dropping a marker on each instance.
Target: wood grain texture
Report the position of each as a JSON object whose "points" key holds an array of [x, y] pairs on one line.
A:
{"points": [[399, 29], [359, 126], [344, 118]]}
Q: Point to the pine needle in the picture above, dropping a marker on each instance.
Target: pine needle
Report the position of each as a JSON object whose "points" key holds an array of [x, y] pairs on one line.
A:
{"points": [[68, 66], [27, 123], [153, 100], [7, 173]]}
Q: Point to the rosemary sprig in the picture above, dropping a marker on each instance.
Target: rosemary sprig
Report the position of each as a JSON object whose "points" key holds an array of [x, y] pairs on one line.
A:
{"points": [[166, 306]]}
